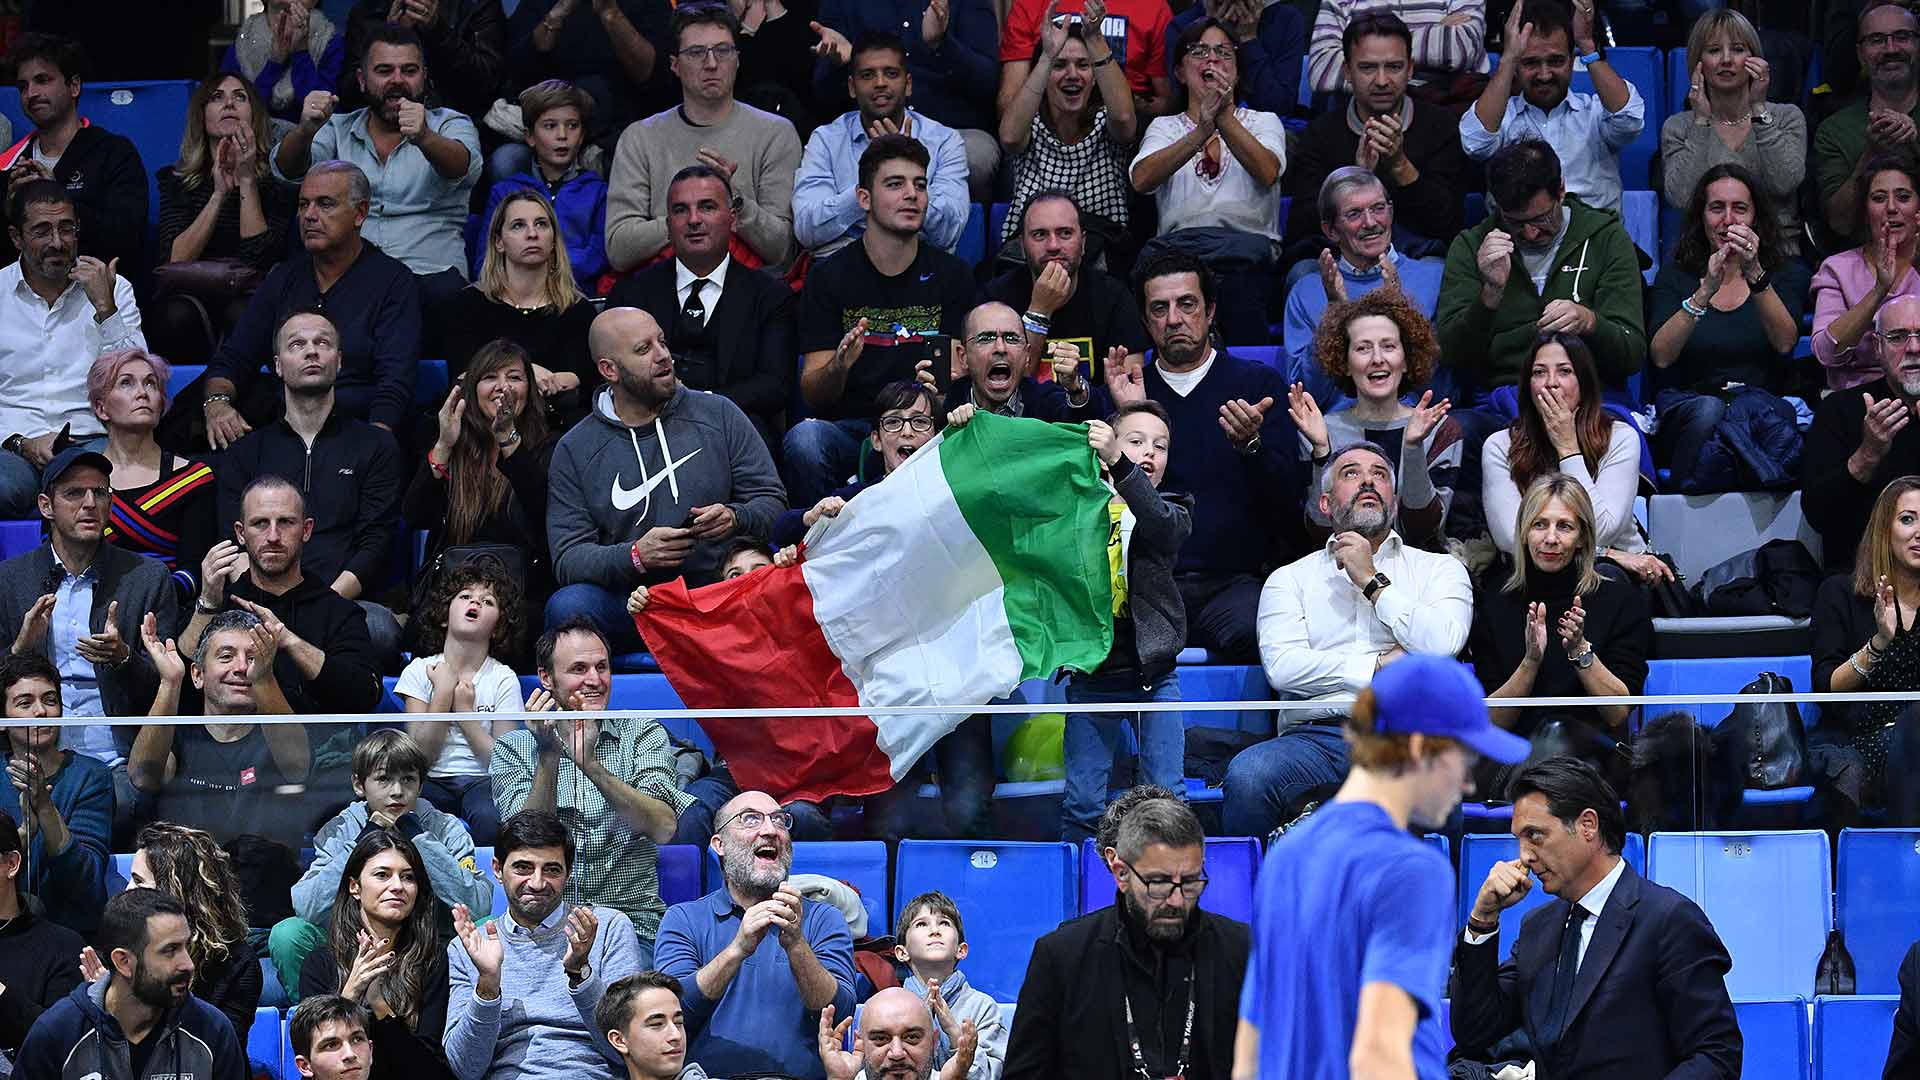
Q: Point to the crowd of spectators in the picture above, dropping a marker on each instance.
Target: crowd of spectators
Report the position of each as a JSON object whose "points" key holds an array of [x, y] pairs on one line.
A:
{"points": [[702, 259]]}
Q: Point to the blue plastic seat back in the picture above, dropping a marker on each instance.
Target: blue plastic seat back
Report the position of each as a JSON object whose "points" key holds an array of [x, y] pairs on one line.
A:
{"points": [[1725, 675], [1775, 1034], [1642, 66], [1879, 902], [1769, 896], [152, 114], [1231, 862], [1850, 1036], [973, 238], [19, 537], [680, 878], [263, 1042], [860, 863], [483, 859], [1009, 895]]}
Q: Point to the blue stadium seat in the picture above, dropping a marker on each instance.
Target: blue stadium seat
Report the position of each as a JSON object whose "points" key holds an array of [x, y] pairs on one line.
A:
{"points": [[1640, 212], [996, 220], [263, 1043], [680, 873], [1478, 853], [181, 376], [152, 114], [1768, 894], [18, 537], [1850, 1035], [1226, 682], [860, 863], [1641, 66], [1231, 863], [1021, 891], [1879, 902], [122, 865], [1725, 675], [973, 238], [1678, 80], [1775, 1034], [1440, 845], [430, 384], [483, 859]]}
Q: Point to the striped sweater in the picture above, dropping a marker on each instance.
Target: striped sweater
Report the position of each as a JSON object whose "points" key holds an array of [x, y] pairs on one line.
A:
{"points": [[1438, 50], [171, 519]]}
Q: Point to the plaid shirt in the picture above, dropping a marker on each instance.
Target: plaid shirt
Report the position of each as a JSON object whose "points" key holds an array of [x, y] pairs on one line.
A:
{"points": [[613, 865]]}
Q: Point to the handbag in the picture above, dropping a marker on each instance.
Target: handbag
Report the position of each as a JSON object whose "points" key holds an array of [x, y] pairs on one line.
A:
{"points": [[208, 279], [1670, 597], [1763, 744]]}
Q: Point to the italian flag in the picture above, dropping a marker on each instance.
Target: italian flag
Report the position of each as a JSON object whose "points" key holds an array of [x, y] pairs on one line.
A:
{"points": [[979, 563]]}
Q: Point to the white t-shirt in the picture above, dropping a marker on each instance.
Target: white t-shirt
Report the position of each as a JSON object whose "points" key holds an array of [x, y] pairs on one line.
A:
{"points": [[1183, 382], [495, 689], [1233, 198]]}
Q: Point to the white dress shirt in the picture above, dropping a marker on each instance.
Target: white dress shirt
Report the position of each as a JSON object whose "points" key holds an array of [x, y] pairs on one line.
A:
{"points": [[1593, 904], [684, 278], [47, 349], [1582, 132], [1320, 637]]}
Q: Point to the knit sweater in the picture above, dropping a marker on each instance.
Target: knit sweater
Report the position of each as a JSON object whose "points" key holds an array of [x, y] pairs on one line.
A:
{"points": [[765, 149]]}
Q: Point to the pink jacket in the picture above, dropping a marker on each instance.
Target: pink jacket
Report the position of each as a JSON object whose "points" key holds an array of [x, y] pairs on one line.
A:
{"points": [[1841, 282]]}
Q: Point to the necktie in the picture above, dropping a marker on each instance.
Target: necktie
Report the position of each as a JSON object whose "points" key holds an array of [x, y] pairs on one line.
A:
{"points": [[695, 312], [1564, 970]]}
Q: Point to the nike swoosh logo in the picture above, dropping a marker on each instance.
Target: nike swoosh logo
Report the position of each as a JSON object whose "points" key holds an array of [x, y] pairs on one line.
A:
{"points": [[628, 498]]}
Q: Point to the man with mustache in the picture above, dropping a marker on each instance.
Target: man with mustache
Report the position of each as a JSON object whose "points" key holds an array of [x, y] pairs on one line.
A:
{"points": [[426, 160], [827, 215], [1528, 98], [141, 1021], [1328, 623], [58, 310], [1147, 986], [754, 960], [1864, 437], [100, 171], [1883, 119]]}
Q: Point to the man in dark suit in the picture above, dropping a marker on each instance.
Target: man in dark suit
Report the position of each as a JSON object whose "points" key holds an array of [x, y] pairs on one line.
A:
{"points": [[731, 327], [1664, 1010]]}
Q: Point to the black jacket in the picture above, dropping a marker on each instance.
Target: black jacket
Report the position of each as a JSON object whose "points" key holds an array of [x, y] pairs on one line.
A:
{"points": [[104, 174], [349, 682], [521, 519], [1038, 401], [753, 326], [140, 585], [37, 966], [1650, 998], [1903, 1052], [1834, 502], [1070, 1022], [466, 53], [351, 480]]}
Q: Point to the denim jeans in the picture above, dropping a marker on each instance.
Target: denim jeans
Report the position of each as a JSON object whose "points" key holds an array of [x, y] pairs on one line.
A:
{"points": [[1091, 739], [964, 760], [1266, 783], [1687, 421], [469, 798], [604, 608], [820, 456], [712, 791]]}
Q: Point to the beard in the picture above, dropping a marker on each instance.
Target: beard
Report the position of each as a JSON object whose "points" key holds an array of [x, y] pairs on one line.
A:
{"points": [[644, 389], [740, 868], [1368, 521], [159, 993], [1158, 930]]}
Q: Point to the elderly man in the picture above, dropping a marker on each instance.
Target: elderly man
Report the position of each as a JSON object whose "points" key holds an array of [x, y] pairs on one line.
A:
{"points": [[1357, 217], [1881, 120], [897, 1039], [1585, 130], [371, 298], [754, 959], [427, 160], [1328, 623], [1864, 437]]}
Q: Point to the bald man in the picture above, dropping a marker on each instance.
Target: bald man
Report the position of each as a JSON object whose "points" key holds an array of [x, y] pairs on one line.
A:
{"points": [[1864, 437], [994, 346], [652, 485], [896, 1040]]}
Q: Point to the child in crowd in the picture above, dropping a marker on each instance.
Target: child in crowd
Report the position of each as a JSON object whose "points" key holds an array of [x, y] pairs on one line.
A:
{"points": [[556, 114], [388, 767], [744, 556], [931, 941], [472, 615]]}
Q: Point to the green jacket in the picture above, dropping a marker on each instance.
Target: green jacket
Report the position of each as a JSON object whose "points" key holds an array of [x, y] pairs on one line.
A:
{"points": [[1596, 267]]}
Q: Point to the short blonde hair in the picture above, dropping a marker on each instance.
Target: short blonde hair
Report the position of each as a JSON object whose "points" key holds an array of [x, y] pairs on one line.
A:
{"points": [[1585, 555], [1715, 23]]}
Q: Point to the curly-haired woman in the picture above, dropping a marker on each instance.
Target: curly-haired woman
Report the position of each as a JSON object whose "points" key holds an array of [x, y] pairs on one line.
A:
{"points": [[1373, 347], [472, 615], [190, 865]]}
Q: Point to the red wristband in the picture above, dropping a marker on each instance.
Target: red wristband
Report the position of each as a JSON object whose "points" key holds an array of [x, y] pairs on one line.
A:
{"points": [[634, 554]]}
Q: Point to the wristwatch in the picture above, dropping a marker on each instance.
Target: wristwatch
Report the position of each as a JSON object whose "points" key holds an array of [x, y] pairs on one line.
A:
{"points": [[576, 981], [1584, 660], [1252, 447], [1380, 581]]}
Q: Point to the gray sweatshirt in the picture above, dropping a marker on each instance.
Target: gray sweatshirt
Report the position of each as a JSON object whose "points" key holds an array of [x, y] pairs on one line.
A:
{"points": [[538, 1028], [446, 847], [610, 483], [966, 1003]]}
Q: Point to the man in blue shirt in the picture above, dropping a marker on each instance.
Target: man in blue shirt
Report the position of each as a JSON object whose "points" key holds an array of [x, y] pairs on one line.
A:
{"points": [[757, 963], [827, 214], [1360, 993]]}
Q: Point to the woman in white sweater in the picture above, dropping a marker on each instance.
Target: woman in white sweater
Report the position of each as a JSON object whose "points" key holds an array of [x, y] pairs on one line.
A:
{"points": [[1562, 427]]}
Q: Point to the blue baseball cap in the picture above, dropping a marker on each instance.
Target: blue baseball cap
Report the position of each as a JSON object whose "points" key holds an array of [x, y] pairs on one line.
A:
{"points": [[67, 459], [1437, 695]]}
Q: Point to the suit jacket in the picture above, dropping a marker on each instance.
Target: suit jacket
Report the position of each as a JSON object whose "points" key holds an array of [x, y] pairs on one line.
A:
{"points": [[1650, 999], [756, 346], [1903, 1052], [139, 583]]}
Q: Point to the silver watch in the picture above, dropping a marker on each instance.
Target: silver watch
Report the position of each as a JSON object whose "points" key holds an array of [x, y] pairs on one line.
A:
{"points": [[1584, 660]]}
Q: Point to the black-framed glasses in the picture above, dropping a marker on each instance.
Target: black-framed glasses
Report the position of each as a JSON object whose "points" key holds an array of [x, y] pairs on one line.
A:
{"points": [[986, 339], [1200, 50], [753, 819], [699, 53], [920, 423], [1898, 37], [1159, 888], [1545, 220]]}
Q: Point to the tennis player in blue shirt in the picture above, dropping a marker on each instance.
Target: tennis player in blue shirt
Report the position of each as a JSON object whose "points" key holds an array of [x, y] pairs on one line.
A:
{"points": [[1353, 916]]}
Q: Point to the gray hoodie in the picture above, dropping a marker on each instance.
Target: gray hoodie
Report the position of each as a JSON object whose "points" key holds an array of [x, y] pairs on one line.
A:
{"points": [[966, 1003], [610, 483]]}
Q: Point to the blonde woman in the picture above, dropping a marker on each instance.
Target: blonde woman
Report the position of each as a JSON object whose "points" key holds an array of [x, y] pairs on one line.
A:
{"points": [[526, 294], [1561, 625]]}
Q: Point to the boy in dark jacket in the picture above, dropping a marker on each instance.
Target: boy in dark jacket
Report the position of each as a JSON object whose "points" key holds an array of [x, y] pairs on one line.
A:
{"points": [[557, 114], [141, 1021]]}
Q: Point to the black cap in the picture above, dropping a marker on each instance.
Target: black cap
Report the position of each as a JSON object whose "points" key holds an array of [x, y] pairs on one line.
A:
{"points": [[67, 459]]}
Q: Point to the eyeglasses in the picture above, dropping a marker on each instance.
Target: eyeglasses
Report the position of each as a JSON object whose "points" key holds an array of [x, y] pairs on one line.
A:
{"points": [[1545, 220], [893, 425], [1899, 338], [1898, 37], [1203, 51], [987, 338], [1359, 214], [1159, 888], [67, 230], [753, 819], [720, 54]]}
